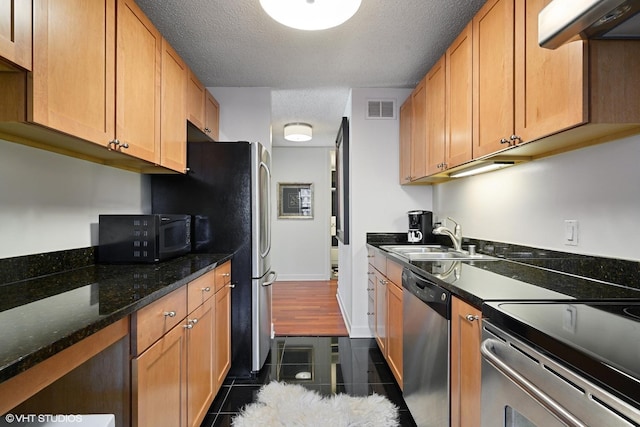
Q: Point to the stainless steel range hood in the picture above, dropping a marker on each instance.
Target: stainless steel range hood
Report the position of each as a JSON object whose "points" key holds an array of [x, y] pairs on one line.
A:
{"points": [[562, 21]]}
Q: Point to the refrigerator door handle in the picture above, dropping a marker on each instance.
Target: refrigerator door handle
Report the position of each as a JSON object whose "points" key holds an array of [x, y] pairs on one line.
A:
{"points": [[272, 277], [268, 201]]}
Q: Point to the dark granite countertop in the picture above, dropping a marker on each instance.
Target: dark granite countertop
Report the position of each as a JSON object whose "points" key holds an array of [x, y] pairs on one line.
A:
{"points": [[41, 316], [519, 273]]}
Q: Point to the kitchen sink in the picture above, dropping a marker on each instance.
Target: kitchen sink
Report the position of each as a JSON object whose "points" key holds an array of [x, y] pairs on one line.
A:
{"points": [[433, 252]]}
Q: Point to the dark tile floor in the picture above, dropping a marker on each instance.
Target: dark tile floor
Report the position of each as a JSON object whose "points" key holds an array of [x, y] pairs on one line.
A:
{"points": [[334, 364]]}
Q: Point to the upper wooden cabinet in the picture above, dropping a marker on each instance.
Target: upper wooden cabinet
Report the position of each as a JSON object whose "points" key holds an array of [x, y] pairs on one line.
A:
{"points": [[15, 32], [138, 71], [195, 100], [203, 109], [493, 81], [406, 112], [558, 99], [506, 96], [436, 109], [74, 93], [173, 144], [459, 95], [102, 76], [211, 116], [419, 131]]}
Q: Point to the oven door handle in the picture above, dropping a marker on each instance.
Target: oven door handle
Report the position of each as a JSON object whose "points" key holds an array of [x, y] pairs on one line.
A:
{"points": [[527, 386]]}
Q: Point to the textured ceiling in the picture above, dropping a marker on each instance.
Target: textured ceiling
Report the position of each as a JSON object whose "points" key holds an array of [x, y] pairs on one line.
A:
{"points": [[233, 43]]}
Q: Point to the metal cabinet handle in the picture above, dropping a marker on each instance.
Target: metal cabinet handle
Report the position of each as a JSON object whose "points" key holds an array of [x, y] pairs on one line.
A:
{"points": [[516, 139], [207, 289], [371, 273], [383, 282], [188, 326], [194, 321], [226, 274], [169, 314], [504, 141], [231, 285], [125, 145], [472, 317]]}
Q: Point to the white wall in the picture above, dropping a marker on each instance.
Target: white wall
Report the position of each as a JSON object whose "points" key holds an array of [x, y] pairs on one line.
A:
{"points": [[50, 202], [527, 204], [378, 202], [245, 114], [301, 247]]}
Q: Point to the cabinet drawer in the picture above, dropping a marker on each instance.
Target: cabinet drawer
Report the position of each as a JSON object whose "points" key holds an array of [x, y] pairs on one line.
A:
{"points": [[380, 261], [153, 321], [223, 275], [200, 290], [394, 273]]}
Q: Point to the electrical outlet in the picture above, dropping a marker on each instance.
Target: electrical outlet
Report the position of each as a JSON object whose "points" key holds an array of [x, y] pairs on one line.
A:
{"points": [[571, 232]]}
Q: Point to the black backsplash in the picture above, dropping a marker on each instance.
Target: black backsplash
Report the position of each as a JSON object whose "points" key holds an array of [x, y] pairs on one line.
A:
{"points": [[609, 270], [31, 266]]}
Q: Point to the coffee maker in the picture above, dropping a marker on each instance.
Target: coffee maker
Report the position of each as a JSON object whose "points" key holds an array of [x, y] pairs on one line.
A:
{"points": [[420, 227]]}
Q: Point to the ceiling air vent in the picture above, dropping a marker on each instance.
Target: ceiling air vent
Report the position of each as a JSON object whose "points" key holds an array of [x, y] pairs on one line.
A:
{"points": [[381, 109]]}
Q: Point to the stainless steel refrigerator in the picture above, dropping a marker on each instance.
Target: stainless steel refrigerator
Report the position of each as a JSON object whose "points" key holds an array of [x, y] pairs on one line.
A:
{"points": [[228, 190]]}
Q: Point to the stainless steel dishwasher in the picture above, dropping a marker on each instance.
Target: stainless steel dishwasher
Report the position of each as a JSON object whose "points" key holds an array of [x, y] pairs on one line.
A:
{"points": [[426, 324]]}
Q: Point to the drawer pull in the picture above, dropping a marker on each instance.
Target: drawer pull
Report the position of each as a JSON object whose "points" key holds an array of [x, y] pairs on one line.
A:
{"points": [[207, 289], [194, 321], [188, 326], [226, 274], [471, 317], [231, 285], [169, 314]]}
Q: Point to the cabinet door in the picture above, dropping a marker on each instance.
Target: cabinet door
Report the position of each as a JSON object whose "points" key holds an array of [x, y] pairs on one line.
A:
{"points": [[173, 132], [493, 82], [74, 63], [15, 32], [212, 116], [465, 364], [222, 334], [551, 85], [139, 51], [394, 331], [436, 108], [381, 312], [159, 382], [195, 101], [459, 128], [419, 131], [201, 386], [405, 141]]}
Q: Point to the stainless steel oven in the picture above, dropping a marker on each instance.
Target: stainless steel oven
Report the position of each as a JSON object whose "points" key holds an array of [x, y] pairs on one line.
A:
{"points": [[525, 387]]}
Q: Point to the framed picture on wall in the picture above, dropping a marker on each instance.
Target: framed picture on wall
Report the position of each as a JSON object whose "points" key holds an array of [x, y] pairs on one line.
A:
{"points": [[295, 200], [342, 182]]}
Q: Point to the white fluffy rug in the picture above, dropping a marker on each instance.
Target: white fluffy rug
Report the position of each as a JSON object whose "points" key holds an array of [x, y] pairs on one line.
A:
{"points": [[291, 405]]}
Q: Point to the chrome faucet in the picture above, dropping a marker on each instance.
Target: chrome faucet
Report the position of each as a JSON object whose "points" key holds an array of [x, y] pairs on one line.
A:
{"points": [[455, 235]]}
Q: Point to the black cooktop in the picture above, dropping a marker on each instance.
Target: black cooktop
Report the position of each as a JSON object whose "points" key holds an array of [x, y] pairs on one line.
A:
{"points": [[599, 339]]}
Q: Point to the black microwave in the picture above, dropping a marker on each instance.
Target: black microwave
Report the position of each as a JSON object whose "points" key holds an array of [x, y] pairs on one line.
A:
{"points": [[143, 238]]}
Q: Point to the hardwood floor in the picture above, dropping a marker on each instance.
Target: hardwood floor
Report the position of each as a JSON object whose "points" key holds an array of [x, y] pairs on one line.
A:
{"points": [[307, 309]]}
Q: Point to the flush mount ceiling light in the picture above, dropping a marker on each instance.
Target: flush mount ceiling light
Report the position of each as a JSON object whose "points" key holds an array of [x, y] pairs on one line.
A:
{"points": [[298, 132], [311, 14]]}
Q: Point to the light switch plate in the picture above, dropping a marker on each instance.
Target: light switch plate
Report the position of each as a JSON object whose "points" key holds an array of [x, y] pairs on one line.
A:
{"points": [[571, 232]]}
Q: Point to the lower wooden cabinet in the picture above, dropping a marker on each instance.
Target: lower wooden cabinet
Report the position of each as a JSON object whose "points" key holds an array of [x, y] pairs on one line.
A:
{"points": [[201, 375], [465, 364], [176, 378], [394, 330], [222, 344], [387, 295], [159, 382]]}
